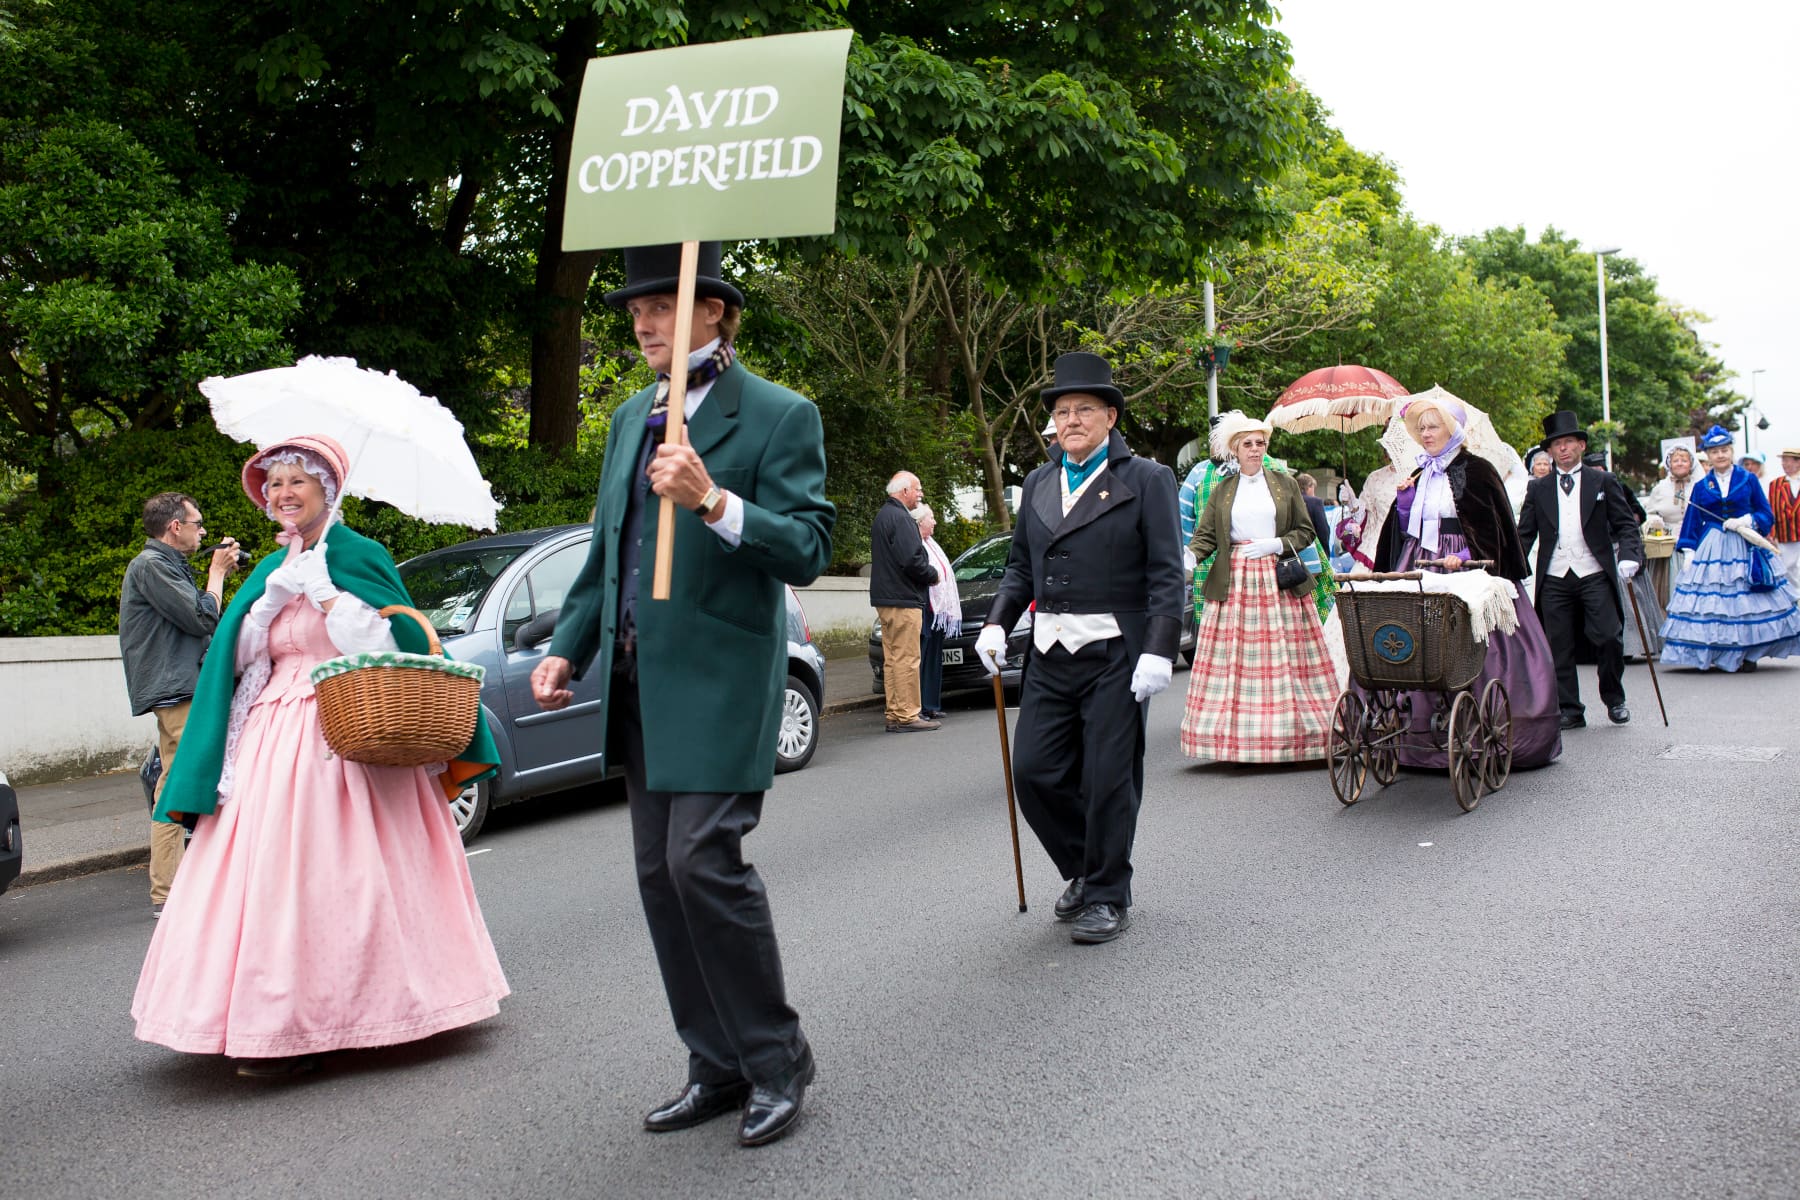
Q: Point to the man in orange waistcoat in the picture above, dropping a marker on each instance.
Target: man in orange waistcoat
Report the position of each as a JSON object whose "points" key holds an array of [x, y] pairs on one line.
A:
{"points": [[1784, 502]]}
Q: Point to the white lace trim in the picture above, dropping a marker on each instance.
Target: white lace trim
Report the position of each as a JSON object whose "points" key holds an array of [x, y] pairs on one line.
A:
{"points": [[250, 686]]}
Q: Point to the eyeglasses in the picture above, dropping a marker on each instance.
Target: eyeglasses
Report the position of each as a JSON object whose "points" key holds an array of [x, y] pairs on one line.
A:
{"points": [[1253, 443], [1086, 412]]}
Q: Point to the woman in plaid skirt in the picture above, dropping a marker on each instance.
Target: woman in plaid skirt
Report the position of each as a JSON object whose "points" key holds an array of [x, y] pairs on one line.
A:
{"points": [[1263, 686]]}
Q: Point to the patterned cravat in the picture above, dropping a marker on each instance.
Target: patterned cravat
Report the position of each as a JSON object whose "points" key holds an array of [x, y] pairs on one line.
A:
{"points": [[1568, 482]]}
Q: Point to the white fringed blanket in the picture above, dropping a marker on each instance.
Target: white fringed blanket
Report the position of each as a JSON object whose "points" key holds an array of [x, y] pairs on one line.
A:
{"points": [[1488, 597]]}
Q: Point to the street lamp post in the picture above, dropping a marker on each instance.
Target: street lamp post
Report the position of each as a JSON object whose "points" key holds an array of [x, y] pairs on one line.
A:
{"points": [[1753, 408], [1605, 383]]}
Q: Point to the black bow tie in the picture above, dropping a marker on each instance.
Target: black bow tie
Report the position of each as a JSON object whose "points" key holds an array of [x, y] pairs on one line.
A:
{"points": [[1568, 484]]}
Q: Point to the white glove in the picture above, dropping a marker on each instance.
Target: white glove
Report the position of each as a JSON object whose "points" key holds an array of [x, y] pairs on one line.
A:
{"points": [[1151, 676], [282, 585], [1188, 562], [1655, 522], [1263, 548], [1627, 569], [990, 648], [1737, 524], [315, 578]]}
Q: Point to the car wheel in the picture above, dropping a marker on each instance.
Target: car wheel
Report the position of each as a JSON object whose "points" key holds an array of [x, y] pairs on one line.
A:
{"points": [[799, 733], [469, 809]]}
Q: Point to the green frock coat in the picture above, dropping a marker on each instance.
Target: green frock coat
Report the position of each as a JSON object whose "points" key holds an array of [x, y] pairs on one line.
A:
{"points": [[712, 659]]}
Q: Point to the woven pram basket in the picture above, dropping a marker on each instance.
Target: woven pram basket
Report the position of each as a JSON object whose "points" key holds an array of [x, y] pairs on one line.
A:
{"points": [[393, 709]]}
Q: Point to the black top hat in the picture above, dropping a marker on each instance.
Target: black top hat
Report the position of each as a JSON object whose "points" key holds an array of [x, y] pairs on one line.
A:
{"points": [[1563, 424], [1079, 371], [656, 271]]}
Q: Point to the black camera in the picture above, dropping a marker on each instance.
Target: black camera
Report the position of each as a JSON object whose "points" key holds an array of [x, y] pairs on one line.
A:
{"points": [[243, 555]]}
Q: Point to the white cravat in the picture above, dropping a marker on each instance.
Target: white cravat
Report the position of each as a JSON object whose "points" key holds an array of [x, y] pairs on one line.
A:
{"points": [[1073, 630]]}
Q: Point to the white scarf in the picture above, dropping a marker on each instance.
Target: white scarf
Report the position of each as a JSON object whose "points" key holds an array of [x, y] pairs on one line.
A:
{"points": [[946, 605]]}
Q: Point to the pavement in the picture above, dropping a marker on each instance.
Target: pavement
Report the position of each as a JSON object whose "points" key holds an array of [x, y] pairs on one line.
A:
{"points": [[101, 822], [1585, 987]]}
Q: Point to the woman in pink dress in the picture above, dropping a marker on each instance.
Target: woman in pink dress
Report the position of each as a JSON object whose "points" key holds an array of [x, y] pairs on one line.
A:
{"points": [[323, 904]]}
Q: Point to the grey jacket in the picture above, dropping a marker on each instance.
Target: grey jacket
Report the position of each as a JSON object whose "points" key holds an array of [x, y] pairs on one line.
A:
{"points": [[165, 622]]}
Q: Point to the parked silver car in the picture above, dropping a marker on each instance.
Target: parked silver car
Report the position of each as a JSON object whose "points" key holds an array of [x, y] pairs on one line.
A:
{"points": [[495, 601]]}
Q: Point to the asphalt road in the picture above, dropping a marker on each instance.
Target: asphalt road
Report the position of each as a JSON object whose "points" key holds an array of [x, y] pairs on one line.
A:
{"points": [[1586, 987]]}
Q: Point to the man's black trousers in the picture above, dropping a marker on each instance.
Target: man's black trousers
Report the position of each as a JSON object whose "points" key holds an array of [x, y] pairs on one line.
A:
{"points": [[1078, 763], [709, 916], [1570, 603]]}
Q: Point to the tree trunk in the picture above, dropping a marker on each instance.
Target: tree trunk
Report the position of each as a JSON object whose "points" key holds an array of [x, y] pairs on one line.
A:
{"points": [[562, 276]]}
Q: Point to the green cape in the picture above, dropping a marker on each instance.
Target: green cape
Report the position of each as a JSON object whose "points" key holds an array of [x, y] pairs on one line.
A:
{"points": [[359, 566]]}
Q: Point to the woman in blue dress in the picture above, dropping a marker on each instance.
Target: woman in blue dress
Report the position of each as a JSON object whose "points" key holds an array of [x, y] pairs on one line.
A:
{"points": [[1731, 606]]}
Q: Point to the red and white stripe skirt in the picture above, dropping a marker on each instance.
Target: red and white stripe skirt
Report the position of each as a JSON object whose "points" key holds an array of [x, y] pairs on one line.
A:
{"points": [[1262, 687]]}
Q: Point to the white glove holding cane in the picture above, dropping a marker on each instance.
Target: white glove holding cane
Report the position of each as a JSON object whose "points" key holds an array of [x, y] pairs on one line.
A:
{"points": [[1627, 569], [1737, 524], [990, 648], [1151, 676]]}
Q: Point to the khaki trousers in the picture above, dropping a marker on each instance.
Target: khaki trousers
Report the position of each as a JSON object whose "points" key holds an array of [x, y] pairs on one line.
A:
{"points": [[166, 839], [900, 662]]}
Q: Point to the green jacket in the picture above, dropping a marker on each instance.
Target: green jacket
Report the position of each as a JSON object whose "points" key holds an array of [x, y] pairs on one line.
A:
{"points": [[359, 566], [1213, 529], [712, 659]]}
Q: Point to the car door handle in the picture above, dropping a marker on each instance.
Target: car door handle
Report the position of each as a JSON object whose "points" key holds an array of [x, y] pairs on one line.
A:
{"points": [[560, 714]]}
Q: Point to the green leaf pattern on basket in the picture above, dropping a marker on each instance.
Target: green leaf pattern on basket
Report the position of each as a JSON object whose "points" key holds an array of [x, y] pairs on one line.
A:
{"points": [[396, 658]]}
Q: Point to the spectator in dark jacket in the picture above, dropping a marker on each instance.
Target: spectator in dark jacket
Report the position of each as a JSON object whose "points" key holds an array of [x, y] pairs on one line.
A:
{"points": [[1315, 508], [900, 571], [165, 622]]}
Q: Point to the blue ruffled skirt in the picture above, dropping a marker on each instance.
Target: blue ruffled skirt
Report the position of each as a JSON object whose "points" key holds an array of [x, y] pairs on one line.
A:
{"points": [[1715, 620]]}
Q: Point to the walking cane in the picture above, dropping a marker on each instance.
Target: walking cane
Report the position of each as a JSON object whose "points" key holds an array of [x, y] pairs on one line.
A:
{"points": [[1649, 659], [1012, 813]]}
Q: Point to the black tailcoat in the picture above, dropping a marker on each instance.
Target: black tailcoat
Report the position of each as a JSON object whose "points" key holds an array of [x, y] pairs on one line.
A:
{"points": [[1606, 519], [1078, 758]]}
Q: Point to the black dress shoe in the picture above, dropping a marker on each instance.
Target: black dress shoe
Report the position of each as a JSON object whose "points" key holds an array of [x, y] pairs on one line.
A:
{"points": [[1073, 900], [775, 1106], [1100, 922], [1618, 714], [698, 1103], [1568, 722]]}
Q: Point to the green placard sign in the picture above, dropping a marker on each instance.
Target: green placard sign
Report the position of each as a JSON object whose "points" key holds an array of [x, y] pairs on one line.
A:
{"points": [[726, 141]]}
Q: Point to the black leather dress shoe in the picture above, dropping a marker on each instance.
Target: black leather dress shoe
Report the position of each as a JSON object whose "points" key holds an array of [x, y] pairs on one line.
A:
{"points": [[1618, 714], [1568, 722], [1073, 900], [1100, 923], [698, 1103], [775, 1106]]}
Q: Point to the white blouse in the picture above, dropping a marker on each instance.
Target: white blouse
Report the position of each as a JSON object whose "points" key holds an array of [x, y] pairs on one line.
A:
{"points": [[1253, 511]]}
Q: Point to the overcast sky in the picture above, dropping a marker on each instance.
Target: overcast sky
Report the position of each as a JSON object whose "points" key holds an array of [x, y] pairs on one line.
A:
{"points": [[1669, 130]]}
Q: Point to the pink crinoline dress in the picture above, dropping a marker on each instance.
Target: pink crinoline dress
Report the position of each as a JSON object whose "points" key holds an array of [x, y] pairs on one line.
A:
{"points": [[326, 905]]}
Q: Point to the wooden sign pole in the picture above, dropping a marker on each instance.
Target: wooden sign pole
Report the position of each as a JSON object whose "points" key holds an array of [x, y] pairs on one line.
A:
{"points": [[677, 424]]}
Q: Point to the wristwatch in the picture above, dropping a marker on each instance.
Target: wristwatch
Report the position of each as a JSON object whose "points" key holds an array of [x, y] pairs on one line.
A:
{"points": [[713, 498]]}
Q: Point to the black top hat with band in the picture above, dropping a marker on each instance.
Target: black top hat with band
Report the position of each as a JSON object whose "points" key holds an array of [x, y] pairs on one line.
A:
{"points": [[1079, 371], [656, 271], [1563, 424]]}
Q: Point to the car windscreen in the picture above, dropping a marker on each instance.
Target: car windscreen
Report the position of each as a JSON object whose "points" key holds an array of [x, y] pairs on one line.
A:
{"points": [[448, 587], [984, 561]]}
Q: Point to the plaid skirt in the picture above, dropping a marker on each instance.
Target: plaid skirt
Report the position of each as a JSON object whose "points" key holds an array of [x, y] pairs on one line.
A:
{"points": [[1263, 687]]}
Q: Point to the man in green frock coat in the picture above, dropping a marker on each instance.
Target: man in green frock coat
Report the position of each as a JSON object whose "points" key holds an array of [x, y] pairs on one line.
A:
{"points": [[693, 684]]}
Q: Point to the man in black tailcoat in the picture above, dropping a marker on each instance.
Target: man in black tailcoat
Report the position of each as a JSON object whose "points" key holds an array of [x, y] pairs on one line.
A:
{"points": [[1097, 546], [1581, 516]]}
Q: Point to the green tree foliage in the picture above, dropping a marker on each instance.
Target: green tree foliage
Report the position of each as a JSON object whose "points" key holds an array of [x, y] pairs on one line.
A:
{"points": [[118, 291], [1665, 380]]}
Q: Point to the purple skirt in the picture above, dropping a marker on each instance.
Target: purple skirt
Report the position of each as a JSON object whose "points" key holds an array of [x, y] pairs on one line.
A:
{"points": [[1520, 660]]}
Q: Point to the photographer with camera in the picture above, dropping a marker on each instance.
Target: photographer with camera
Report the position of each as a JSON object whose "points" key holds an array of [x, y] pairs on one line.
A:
{"points": [[165, 623]]}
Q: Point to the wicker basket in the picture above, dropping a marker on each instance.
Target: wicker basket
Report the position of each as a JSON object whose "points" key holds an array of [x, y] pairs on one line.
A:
{"points": [[1416, 641], [1659, 547], [393, 709]]}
